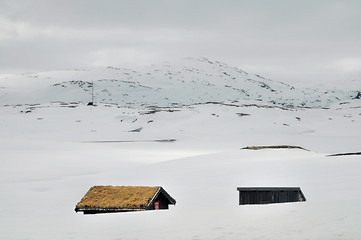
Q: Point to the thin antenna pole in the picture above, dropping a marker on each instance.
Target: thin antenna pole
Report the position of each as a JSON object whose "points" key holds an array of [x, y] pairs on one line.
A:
{"points": [[93, 91]]}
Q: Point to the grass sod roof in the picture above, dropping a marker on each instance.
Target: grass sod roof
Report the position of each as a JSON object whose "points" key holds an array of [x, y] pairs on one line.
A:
{"points": [[117, 197]]}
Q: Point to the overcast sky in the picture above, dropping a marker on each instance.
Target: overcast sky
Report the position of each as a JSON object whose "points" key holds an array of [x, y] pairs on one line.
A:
{"points": [[283, 40]]}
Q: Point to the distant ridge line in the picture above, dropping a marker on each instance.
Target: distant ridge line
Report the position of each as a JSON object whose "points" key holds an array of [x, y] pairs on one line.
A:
{"points": [[132, 141]]}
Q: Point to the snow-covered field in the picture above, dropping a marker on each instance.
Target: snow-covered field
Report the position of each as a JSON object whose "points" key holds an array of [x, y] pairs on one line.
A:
{"points": [[51, 153]]}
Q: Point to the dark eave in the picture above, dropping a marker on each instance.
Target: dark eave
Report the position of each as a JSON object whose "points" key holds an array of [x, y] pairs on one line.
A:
{"points": [[251, 189], [107, 210]]}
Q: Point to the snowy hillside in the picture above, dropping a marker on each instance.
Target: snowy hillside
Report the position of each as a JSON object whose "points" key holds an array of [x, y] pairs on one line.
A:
{"points": [[53, 148], [51, 154], [186, 82]]}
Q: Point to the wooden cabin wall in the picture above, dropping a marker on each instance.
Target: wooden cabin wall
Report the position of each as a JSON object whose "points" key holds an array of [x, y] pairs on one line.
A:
{"points": [[265, 197], [163, 202]]}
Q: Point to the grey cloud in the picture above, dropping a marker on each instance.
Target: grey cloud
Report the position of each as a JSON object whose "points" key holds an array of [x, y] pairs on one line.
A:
{"points": [[297, 36]]}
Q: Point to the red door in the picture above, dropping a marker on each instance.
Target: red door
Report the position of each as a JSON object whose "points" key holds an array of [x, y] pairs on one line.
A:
{"points": [[156, 205]]}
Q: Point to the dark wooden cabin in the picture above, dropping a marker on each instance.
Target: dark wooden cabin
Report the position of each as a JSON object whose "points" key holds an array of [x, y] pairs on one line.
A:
{"points": [[106, 199], [267, 195]]}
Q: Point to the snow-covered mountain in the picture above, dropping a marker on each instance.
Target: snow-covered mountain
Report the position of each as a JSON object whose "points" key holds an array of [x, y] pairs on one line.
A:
{"points": [[185, 82], [53, 148]]}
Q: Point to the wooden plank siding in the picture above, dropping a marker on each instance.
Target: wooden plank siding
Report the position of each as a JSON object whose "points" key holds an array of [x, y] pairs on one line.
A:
{"points": [[267, 195]]}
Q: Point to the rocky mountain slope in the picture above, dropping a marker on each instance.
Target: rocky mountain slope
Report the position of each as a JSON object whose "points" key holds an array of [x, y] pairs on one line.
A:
{"points": [[186, 82]]}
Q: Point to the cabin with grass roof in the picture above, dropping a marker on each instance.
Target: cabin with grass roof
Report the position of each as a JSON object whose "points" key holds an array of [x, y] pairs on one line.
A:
{"points": [[107, 199]]}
